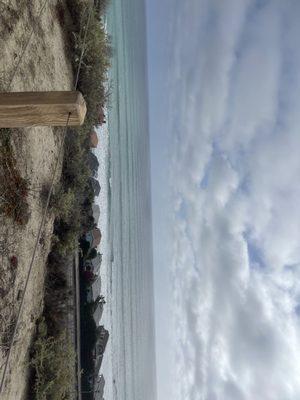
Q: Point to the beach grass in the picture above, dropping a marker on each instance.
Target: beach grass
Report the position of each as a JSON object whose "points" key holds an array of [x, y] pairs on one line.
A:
{"points": [[96, 60]]}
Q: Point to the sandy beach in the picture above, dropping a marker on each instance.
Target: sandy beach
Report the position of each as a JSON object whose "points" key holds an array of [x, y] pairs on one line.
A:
{"points": [[45, 66]]}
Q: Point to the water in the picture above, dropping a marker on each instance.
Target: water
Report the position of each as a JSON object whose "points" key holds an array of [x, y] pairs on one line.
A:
{"points": [[127, 273]]}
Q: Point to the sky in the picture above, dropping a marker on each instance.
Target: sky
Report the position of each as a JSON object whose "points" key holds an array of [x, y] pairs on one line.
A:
{"points": [[225, 137]]}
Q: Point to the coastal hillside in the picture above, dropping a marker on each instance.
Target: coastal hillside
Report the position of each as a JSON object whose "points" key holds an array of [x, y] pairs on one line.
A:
{"points": [[45, 66], [41, 49]]}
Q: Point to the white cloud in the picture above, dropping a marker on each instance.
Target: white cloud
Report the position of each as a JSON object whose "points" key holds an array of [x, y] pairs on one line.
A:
{"points": [[235, 180]]}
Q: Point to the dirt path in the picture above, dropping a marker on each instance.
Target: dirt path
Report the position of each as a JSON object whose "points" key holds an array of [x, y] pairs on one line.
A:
{"points": [[45, 66]]}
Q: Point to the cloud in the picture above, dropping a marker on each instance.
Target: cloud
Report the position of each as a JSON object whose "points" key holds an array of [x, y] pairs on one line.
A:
{"points": [[234, 174]]}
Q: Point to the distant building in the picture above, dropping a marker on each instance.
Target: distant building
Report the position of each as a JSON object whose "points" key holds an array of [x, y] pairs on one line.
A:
{"points": [[98, 308], [96, 212], [96, 263], [89, 276], [95, 186], [93, 163], [99, 388], [102, 339], [96, 287], [93, 237], [94, 290], [98, 313], [94, 139]]}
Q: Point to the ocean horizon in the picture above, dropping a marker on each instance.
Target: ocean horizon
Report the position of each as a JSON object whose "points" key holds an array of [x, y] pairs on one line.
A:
{"points": [[129, 365]]}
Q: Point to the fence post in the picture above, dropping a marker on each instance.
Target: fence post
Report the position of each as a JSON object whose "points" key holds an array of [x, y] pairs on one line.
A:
{"points": [[24, 109]]}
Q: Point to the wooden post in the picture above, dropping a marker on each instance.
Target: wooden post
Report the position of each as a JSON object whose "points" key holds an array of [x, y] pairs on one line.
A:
{"points": [[21, 109]]}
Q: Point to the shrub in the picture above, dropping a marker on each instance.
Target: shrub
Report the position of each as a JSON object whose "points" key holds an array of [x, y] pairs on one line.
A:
{"points": [[101, 6], [53, 357], [63, 202], [67, 244], [53, 365], [13, 187], [96, 60], [73, 202]]}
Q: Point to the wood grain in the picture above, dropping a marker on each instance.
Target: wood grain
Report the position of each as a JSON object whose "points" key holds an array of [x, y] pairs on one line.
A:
{"points": [[24, 109]]}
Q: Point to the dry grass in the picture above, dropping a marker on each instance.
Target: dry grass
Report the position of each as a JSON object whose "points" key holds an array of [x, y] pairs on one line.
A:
{"points": [[24, 166], [8, 17], [96, 60], [8, 272]]}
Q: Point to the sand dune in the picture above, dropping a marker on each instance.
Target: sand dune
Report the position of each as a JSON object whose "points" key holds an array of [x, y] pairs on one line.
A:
{"points": [[45, 66]]}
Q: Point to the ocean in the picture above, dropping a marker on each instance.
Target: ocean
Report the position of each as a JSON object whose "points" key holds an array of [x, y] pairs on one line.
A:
{"points": [[126, 220]]}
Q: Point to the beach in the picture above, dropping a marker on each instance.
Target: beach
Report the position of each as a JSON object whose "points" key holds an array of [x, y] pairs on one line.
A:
{"points": [[44, 66]]}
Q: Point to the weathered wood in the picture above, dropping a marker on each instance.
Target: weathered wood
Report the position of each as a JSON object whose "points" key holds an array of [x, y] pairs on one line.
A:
{"points": [[23, 109]]}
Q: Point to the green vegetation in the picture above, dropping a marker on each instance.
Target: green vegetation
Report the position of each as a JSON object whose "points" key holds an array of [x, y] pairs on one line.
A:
{"points": [[75, 192], [71, 202], [62, 202], [96, 60], [52, 354], [53, 363]]}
